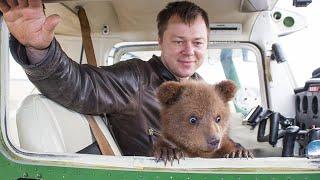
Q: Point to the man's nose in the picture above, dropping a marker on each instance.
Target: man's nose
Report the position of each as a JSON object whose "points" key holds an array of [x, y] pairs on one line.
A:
{"points": [[188, 49]]}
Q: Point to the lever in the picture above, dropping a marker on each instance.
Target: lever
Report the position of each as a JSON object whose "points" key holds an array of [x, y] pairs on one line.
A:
{"points": [[288, 141]]}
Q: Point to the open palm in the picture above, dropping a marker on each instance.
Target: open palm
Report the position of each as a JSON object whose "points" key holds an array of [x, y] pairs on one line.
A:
{"points": [[27, 23]]}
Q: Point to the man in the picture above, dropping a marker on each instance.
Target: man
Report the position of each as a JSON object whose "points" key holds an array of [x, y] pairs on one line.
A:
{"points": [[125, 92]]}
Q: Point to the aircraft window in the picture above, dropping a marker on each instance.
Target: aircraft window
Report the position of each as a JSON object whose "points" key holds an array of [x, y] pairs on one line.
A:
{"points": [[19, 88], [144, 55], [305, 53], [240, 63], [237, 64]]}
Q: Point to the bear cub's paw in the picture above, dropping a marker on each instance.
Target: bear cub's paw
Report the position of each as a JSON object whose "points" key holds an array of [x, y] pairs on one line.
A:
{"points": [[238, 152], [166, 151]]}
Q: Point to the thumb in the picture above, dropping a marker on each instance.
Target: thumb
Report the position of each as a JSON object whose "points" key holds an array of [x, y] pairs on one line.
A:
{"points": [[51, 22]]}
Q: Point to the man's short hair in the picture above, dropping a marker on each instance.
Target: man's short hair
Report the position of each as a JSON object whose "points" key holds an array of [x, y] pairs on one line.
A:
{"points": [[185, 10]]}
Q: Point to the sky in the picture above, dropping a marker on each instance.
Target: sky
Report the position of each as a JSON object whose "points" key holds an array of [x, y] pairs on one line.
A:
{"points": [[302, 48]]}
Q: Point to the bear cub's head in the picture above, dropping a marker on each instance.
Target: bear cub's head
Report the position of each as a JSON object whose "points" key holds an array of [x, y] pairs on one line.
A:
{"points": [[195, 114]]}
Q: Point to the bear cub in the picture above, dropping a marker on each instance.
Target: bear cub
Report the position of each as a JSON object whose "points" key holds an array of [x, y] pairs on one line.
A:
{"points": [[195, 121]]}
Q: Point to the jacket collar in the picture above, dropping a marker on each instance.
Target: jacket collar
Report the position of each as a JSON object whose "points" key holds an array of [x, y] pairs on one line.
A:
{"points": [[160, 68]]}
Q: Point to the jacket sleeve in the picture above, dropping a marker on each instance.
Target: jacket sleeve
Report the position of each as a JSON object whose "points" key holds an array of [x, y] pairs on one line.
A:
{"points": [[82, 88]]}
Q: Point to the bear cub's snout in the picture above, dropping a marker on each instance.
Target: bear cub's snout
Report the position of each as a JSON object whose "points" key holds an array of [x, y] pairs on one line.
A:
{"points": [[213, 143]]}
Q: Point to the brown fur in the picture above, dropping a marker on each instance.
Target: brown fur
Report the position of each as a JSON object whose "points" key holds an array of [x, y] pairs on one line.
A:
{"points": [[182, 100]]}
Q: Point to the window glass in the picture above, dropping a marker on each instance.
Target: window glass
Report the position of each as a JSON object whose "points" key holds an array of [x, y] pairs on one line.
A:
{"points": [[143, 55], [301, 48], [19, 88], [237, 64]]}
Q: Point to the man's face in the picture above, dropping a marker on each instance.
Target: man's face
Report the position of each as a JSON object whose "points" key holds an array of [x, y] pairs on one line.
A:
{"points": [[183, 46]]}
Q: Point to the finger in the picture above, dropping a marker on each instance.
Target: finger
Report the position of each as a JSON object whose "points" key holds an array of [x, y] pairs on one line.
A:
{"points": [[157, 155], [161, 154], [246, 154], [171, 156], [177, 155], [165, 155], [233, 154], [23, 3], [35, 3], [251, 155], [51, 22], [12, 3], [182, 155], [240, 154], [4, 7], [48, 28]]}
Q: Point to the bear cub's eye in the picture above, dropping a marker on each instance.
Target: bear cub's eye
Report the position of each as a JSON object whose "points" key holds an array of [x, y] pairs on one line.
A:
{"points": [[193, 120], [218, 119]]}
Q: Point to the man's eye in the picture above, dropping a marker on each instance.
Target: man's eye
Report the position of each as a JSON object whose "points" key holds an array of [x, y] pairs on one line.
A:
{"points": [[193, 120], [198, 44], [178, 42]]}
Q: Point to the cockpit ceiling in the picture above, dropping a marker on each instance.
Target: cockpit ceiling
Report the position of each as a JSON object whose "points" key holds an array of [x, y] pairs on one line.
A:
{"points": [[135, 20]]}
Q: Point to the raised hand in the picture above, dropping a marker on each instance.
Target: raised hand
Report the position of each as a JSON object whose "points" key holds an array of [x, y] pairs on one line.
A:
{"points": [[27, 22]]}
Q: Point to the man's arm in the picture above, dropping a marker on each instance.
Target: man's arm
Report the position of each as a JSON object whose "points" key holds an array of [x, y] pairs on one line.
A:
{"points": [[35, 55], [82, 88]]}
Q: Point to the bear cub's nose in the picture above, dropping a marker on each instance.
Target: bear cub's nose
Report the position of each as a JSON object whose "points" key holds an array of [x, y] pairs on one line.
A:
{"points": [[213, 142]]}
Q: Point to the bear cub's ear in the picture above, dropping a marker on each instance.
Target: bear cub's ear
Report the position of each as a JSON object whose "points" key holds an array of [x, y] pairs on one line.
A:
{"points": [[169, 92], [227, 89]]}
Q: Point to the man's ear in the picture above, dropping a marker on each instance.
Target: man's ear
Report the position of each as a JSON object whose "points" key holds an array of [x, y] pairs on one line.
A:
{"points": [[160, 43], [227, 89], [169, 92]]}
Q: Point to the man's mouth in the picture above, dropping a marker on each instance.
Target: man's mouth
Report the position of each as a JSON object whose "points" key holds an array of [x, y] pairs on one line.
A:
{"points": [[186, 62]]}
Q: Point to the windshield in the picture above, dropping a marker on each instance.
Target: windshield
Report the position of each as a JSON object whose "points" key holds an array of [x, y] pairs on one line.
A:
{"points": [[238, 63], [301, 48]]}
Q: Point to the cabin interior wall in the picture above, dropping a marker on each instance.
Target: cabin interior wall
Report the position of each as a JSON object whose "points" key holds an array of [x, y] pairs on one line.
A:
{"points": [[102, 46]]}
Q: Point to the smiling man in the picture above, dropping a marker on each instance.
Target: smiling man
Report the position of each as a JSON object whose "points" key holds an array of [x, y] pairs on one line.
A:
{"points": [[183, 45], [125, 92]]}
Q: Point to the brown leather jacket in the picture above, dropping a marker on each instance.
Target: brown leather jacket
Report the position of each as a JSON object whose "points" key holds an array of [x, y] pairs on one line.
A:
{"points": [[125, 92]]}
